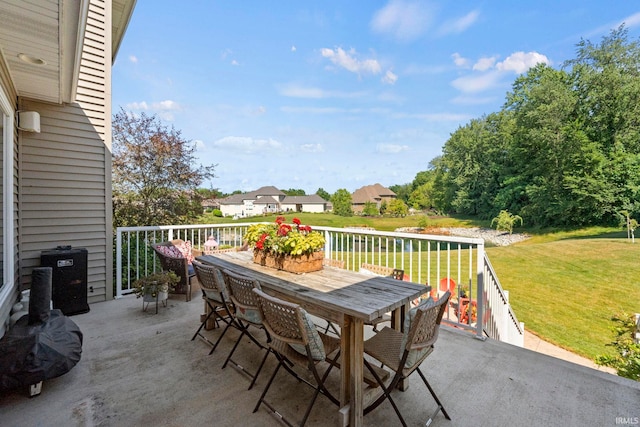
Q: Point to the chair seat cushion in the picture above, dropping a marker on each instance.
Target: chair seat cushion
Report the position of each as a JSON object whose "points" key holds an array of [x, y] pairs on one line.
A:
{"points": [[315, 341], [249, 314], [185, 249], [170, 251]]}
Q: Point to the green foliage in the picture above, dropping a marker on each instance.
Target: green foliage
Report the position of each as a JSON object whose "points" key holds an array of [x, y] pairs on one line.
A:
{"points": [[154, 283], [217, 212], [294, 192], [323, 193], [282, 238], [563, 151], [402, 191], [397, 207], [341, 201], [370, 209], [154, 173], [505, 221], [626, 361]]}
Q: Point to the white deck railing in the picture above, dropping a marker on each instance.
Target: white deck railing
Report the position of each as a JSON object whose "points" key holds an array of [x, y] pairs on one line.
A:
{"points": [[459, 264]]}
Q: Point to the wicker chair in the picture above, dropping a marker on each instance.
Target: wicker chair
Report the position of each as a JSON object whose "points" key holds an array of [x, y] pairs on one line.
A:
{"points": [[295, 341], [403, 352], [178, 265], [215, 296], [246, 314]]}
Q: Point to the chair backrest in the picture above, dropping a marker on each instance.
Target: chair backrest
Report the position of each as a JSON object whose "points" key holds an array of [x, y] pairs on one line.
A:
{"points": [[178, 265], [421, 327], [240, 289], [282, 319], [290, 325], [398, 274], [426, 323], [211, 281]]}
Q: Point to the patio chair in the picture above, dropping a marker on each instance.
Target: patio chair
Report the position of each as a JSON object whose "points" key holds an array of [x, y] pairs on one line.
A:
{"points": [[246, 314], [173, 259], [397, 274], [403, 352], [215, 296], [296, 341]]}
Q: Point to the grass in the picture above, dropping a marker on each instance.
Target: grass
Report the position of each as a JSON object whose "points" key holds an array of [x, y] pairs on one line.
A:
{"points": [[565, 285]]}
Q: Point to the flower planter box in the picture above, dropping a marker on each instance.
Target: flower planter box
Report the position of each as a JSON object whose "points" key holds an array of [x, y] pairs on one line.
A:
{"points": [[294, 264]]}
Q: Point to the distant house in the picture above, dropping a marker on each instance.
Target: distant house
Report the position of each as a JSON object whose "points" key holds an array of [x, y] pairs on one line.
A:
{"points": [[312, 203], [269, 199], [258, 202], [375, 193], [209, 205]]}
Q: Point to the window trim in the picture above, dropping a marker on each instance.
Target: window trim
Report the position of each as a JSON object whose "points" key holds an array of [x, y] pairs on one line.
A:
{"points": [[7, 114]]}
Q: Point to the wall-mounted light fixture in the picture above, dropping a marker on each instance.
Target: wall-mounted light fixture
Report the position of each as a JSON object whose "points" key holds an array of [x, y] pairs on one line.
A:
{"points": [[29, 121]]}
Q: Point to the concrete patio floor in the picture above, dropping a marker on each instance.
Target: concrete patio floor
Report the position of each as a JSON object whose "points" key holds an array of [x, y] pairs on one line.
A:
{"points": [[140, 368]]}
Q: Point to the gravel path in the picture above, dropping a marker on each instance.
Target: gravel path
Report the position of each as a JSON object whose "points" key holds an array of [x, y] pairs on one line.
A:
{"points": [[498, 238]]}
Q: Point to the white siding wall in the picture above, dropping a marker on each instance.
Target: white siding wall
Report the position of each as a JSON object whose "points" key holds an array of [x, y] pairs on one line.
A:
{"points": [[65, 182], [9, 293]]}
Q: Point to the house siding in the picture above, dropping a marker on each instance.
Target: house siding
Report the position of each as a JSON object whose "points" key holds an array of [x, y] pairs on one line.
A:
{"points": [[9, 294], [65, 182]]}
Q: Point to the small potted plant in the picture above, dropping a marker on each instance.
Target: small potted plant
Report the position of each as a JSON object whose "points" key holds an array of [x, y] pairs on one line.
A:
{"points": [[155, 287]]}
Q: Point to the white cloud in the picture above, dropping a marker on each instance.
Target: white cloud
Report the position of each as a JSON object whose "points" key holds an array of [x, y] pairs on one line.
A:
{"points": [[520, 62], [247, 144], [166, 105], [312, 148], [404, 20], [389, 78], [391, 148], [459, 60], [484, 64], [350, 62], [476, 83], [296, 91], [199, 144], [459, 25], [293, 49], [234, 62], [133, 58]]}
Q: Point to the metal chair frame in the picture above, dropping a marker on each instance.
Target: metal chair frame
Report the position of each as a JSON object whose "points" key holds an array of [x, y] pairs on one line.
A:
{"points": [[211, 279], [386, 348], [240, 289], [284, 322]]}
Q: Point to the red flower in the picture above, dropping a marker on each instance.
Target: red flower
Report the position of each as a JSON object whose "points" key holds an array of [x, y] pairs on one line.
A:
{"points": [[284, 229], [279, 220], [296, 221]]}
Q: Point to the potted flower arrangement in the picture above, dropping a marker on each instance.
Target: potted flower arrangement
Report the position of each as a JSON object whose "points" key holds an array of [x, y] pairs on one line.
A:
{"points": [[155, 287], [295, 248]]}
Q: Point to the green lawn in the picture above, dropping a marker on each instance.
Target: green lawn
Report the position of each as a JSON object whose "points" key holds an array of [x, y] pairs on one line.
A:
{"points": [[563, 284]]}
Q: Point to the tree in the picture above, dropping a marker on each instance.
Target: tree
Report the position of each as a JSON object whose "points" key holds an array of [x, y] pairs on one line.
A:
{"points": [[627, 360], [323, 193], [370, 209], [341, 201], [397, 207], [505, 221], [402, 191], [294, 192], [155, 173]]}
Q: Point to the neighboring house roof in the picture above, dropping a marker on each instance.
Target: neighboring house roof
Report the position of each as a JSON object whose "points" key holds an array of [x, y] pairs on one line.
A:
{"points": [[266, 200], [304, 200], [268, 191], [371, 193], [211, 203]]}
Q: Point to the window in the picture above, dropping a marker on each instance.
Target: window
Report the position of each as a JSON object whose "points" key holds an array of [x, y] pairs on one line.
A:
{"points": [[6, 201]]}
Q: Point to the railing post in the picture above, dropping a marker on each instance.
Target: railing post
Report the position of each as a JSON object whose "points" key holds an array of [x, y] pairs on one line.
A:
{"points": [[118, 263], [480, 294]]}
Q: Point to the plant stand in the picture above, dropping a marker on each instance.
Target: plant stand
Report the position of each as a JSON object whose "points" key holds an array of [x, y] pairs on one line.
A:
{"points": [[160, 297]]}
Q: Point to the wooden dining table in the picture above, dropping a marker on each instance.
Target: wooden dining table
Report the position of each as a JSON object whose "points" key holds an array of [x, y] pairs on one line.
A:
{"points": [[344, 297]]}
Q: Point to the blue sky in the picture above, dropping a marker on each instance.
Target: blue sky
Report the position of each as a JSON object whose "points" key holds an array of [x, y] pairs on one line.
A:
{"points": [[338, 94]]}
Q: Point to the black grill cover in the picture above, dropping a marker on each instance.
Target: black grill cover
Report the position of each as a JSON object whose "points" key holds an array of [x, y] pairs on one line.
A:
{"points": [[33, 353]]}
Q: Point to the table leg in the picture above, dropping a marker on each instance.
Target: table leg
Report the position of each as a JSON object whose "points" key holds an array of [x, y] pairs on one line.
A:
{"points": [[352, 371]]}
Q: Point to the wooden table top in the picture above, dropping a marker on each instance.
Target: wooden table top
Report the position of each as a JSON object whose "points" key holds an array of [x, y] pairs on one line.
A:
{"points": [[330, 291]]}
